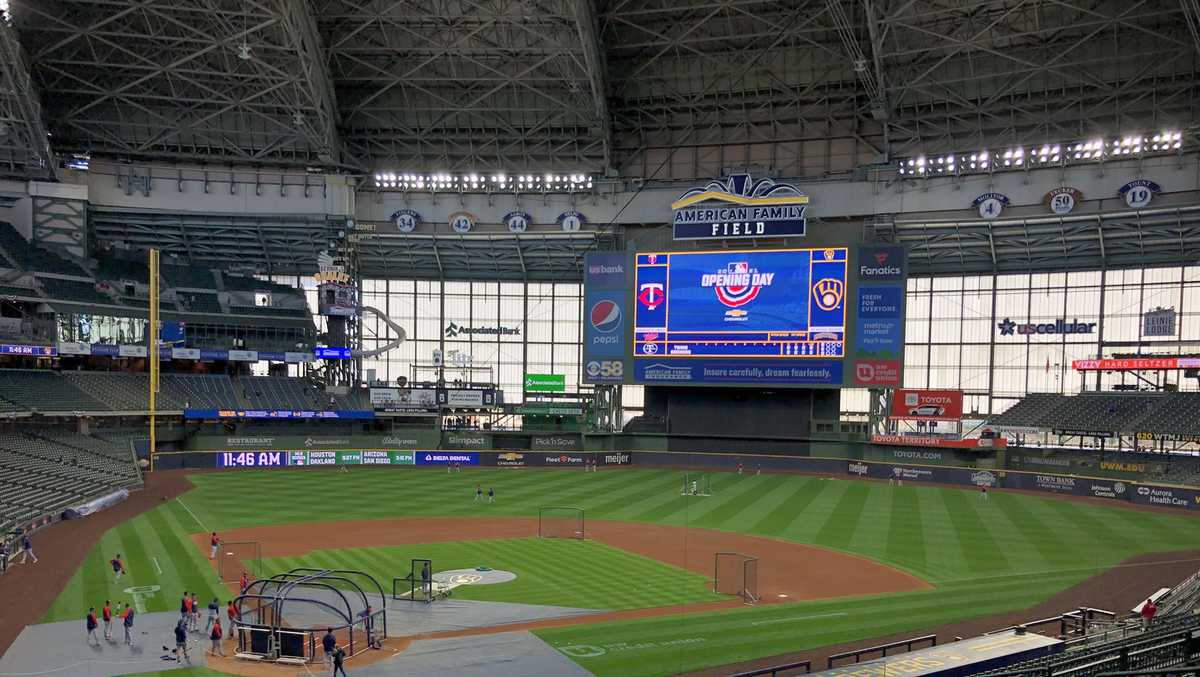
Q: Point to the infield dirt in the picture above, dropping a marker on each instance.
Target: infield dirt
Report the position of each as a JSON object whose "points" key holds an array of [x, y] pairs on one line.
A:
{"points": [[787, 571]]}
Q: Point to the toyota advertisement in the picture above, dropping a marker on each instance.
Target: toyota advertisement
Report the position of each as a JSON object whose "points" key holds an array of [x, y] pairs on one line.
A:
{"points": [[927, 405]]}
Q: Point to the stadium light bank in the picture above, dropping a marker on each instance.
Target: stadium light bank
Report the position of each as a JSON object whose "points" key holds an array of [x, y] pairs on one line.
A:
{"points": [[1018, 158], [484, 183]]}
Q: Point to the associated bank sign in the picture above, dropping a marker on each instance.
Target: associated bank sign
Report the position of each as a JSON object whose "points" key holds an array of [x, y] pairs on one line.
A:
{"points": [[739, 208]]}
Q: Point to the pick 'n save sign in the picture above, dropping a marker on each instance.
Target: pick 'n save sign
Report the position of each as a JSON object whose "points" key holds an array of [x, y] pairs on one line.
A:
{"points": [[545, 383]]}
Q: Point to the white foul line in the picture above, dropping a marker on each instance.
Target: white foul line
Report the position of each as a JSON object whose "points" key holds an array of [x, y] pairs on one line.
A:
{"points": [[773, 621], [156, 566], [189, 511]]}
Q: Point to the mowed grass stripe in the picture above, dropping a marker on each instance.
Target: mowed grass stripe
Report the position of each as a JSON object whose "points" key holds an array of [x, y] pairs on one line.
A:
{"points": [[805, 525], [838, 529], [627, 504], [719, 638], [742, 495], [804, 491], [904, 543], [773, 494], [182, 555], [1047, 542], [871, 532], [979, 549]]}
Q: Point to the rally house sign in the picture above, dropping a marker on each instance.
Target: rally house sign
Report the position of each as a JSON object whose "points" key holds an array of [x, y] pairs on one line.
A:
{"points": [[740, 208]]}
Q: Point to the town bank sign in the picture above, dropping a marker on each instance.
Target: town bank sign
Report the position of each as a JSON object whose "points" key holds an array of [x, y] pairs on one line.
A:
{"points": [[740, 208]]}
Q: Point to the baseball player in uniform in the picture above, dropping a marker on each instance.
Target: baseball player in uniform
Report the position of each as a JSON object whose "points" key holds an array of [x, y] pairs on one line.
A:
{"points": [[91, 626], [127, 621]]}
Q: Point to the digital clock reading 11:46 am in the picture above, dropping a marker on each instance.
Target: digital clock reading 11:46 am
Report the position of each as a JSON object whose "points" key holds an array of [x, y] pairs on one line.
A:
{"points": [[250, 459]]}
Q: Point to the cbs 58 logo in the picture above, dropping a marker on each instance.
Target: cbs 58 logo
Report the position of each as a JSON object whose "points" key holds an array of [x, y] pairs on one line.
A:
{"points": [[606, 369]]}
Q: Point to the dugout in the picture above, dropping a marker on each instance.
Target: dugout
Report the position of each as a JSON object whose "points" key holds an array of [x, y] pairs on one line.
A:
{"points": [[283, 617]]}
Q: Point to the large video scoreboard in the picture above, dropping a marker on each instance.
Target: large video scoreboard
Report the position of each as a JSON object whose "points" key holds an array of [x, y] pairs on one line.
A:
{"points": [[829, 316], [788, 304]]}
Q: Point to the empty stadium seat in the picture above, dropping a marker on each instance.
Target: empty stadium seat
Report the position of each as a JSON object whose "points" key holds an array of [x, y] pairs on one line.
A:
{"points": [[42, 390]]}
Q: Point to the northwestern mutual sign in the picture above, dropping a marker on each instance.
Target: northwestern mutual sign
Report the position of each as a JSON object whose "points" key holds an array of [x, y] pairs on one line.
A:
{"points": [[740, 208]]}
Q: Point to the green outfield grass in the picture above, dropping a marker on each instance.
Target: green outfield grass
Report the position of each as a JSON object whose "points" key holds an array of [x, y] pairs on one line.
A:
{"points": [[983, 557], [156, 551], [559, 572]]}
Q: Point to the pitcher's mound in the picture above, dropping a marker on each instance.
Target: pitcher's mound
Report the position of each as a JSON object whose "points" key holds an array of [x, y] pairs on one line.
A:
{"points": [[474, 577]]}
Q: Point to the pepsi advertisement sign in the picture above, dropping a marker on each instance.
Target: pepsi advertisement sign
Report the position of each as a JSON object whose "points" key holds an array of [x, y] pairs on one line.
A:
{"points": [[604, 323], [605, 316]]}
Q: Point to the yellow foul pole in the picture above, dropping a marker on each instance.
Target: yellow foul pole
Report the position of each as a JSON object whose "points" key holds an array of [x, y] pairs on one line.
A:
{"points": [[152, 332]]}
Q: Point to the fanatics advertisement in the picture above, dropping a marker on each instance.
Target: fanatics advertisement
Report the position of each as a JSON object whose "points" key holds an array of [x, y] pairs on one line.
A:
{"points": [[879, 324]]}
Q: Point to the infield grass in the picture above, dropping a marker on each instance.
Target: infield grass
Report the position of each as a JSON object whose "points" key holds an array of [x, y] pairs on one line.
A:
{"points": [[557, 572], [983, 557]]}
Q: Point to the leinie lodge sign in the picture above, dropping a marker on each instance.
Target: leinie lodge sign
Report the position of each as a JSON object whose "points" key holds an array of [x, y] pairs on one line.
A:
{"points": [[740, 208]]}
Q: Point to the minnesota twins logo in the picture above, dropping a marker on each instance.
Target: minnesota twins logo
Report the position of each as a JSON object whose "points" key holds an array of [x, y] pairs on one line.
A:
{"points": [[651, 295], [828, 293], [738, 284]]}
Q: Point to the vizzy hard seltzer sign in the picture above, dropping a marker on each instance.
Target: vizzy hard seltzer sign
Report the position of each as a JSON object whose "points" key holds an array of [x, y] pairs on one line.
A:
{"points": [[740, 207], [545, 383]]}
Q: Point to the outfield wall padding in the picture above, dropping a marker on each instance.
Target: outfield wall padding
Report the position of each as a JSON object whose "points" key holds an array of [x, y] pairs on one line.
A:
{"points": [[1049, 483]]}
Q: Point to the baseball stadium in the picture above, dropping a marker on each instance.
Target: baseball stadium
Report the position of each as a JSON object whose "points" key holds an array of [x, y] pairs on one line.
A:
{"points": [[512, 338]]}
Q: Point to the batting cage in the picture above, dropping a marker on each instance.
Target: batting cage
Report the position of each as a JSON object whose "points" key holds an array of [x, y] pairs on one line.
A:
{"points": [[283, 617], [418, 585], [560, 522], [696, 484], [239, 557], [736, 574]]}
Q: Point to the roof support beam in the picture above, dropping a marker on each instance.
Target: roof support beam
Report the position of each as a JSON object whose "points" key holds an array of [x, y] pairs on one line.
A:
{"points": [[300, 27], [587, 25], [24, 145]]}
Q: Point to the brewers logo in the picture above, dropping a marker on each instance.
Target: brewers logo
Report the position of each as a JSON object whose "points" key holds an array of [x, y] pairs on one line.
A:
{"points": [[738, 284], [828, 293]]}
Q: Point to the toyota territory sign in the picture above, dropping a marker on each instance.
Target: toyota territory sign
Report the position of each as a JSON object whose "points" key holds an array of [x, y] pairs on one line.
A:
{"points": [[927, 405]]}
